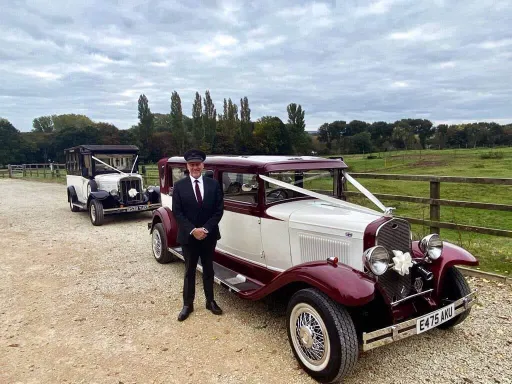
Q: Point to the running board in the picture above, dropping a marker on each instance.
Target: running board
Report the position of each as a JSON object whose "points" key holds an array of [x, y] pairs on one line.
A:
{"points": [[222, 275], [80, 205]]}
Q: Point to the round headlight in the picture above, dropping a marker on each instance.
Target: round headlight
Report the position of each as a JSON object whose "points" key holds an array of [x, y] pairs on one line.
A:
{"points": [[377, 259], [431, 246], [151, 189], [114, 192]]}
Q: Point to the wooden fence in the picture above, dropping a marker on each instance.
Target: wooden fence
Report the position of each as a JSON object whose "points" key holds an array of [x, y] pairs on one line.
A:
{"points": [[46, 170], [435, 202]]}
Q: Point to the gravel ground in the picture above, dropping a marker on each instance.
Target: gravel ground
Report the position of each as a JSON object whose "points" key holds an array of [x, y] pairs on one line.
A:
{"points": [[86, 304]]}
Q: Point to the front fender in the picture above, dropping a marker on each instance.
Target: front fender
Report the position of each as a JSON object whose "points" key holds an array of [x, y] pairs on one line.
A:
{"points": [[452, 255], [99, 195], [165, 216], [341, 283]]}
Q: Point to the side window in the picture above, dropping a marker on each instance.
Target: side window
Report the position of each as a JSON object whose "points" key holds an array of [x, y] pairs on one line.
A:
{"points": [[241, 187], [177, 174], [87, 164]]}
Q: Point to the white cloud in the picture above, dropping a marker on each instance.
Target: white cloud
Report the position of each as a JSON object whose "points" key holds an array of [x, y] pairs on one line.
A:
{"points": [[496, 44], [421, 33], [44, 75], [371, 60]]}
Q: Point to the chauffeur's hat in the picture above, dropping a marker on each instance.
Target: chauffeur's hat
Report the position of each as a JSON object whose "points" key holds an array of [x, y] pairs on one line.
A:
{"points": [[194, 155]]}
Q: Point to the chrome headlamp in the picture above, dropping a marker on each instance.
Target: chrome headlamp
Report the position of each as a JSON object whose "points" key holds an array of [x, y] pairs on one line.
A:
{"points": [[150, 189], [114, 192], [431, 246], [377, 259]]}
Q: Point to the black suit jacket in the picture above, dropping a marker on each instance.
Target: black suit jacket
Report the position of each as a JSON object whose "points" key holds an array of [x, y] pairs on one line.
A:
{"points": [[190, 215]]}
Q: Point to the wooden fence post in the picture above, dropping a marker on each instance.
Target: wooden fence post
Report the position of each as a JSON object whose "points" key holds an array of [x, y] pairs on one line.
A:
{"points": [[435, 208], [9, 167]]}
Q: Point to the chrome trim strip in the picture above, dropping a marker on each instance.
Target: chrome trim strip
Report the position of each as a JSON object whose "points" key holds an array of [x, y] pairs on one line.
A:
{"points": [[410, 297], [407, 328], [200, 269]]}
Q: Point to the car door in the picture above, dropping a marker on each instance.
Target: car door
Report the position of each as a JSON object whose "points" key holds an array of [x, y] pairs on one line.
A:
{"points": [[240, 227]]}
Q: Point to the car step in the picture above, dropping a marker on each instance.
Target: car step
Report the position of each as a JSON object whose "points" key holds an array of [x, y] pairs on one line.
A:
{"points": [[223, 276]]}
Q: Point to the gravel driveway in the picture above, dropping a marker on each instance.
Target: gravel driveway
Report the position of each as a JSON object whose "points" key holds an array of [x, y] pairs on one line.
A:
{"points": [[86, 304]]}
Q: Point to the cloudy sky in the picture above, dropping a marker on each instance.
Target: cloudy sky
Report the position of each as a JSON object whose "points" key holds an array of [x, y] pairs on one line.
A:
{"points": [[447, 61]]}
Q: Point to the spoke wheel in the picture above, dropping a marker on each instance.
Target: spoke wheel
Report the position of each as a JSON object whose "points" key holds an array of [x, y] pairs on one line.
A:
{"points": [[322, 335], [311, 337]]}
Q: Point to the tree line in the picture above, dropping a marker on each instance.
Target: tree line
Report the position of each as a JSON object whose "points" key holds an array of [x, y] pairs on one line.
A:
{"points": [[232, 131]]}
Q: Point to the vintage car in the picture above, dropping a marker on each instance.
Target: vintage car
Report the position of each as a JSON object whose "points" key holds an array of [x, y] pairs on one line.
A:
{"points": [[352, 276], [104, 180]]}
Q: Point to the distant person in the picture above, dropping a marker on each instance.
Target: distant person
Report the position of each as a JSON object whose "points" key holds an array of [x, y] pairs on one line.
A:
{"points": [[198, 206]]}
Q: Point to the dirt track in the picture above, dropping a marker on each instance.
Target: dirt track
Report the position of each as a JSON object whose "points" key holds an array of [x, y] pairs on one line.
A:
{"points": [[86, 304]]}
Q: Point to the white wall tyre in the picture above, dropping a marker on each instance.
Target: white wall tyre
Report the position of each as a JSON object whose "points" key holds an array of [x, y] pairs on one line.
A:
{"points": [[322, 335], [96, 213], [71, 206], [159, 245]]}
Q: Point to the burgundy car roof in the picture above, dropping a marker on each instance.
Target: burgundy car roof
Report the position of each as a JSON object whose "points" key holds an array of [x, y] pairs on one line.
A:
{"points": [[267, 163]]}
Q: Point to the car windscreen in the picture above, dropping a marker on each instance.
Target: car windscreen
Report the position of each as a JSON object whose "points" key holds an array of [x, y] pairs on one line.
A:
{"points": [[121, 162], [317, 180]]}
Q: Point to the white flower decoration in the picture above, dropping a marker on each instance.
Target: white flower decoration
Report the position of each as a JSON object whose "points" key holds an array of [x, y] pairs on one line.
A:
{"points": [[132, 192], [402, 262]]}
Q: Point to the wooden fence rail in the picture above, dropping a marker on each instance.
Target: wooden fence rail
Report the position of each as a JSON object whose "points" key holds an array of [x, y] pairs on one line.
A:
{"points": [[435, 202]]}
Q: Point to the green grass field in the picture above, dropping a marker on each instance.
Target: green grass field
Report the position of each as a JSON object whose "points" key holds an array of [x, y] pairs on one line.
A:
{"points": [[493, 252]]}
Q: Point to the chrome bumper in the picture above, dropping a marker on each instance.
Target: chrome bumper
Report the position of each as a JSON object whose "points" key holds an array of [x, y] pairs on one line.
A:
{"points": [[406, 329], [133, 208]]}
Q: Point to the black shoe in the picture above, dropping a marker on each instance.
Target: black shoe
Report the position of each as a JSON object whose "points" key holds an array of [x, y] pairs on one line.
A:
{"points": [[187, 310], [212, 306]]}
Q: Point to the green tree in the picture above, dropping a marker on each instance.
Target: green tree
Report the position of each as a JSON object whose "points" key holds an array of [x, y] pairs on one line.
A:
{"points": [[243, 139], [12, 145], [209, 122], [271, 136], [197, 123], [177, 126], [70, 120], [300, 140], [145, 126], [42, 124]]}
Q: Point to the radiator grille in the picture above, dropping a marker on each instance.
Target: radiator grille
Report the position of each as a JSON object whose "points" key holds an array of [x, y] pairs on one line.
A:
{"points": [[313, 248], [395, 235], [128, 183]]}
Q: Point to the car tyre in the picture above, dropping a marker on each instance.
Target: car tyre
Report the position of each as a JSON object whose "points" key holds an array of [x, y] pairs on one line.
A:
{"points": [[322, 335], [96, 213], [455, 286], [73, 208], [159, 245]]}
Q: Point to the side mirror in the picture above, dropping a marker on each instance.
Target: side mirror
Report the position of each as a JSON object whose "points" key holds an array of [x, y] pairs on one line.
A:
{"points": [[85, 172]]}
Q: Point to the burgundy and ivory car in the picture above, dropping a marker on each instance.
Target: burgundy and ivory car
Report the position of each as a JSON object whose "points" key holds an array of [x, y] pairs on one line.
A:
{"points": [[352, 276]]}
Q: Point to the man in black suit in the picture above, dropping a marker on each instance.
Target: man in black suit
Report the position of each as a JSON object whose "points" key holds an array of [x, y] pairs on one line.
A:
{"points": [[198, 206]]}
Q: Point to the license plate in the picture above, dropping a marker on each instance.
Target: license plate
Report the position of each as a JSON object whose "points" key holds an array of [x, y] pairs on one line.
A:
{"points": [[433, 319], [135, 208]]}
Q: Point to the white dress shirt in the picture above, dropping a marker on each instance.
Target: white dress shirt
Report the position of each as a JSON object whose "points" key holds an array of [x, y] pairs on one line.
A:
{"points": [[201, 186]]}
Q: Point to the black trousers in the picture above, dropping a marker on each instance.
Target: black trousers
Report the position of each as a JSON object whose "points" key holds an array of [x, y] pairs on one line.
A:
{"points": [[192, 251]]}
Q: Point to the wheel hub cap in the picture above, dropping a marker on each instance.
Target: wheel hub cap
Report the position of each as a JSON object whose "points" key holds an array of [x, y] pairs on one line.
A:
{"points": [[306, 336]]}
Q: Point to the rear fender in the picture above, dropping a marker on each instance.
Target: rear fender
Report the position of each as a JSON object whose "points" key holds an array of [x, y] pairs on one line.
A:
{"points": [[341, 283], [72, 194], [164, 215], [452, 255]]}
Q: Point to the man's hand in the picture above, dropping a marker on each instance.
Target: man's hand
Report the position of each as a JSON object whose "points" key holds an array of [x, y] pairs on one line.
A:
{"points": [[199, 233]]}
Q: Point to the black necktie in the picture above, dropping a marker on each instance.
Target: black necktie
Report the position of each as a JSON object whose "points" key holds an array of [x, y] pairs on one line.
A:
{"points": [[198, 193]]}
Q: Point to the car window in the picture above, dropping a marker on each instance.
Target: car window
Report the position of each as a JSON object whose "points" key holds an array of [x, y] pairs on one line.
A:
{"points": [[241, 187], [180, 173]]}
